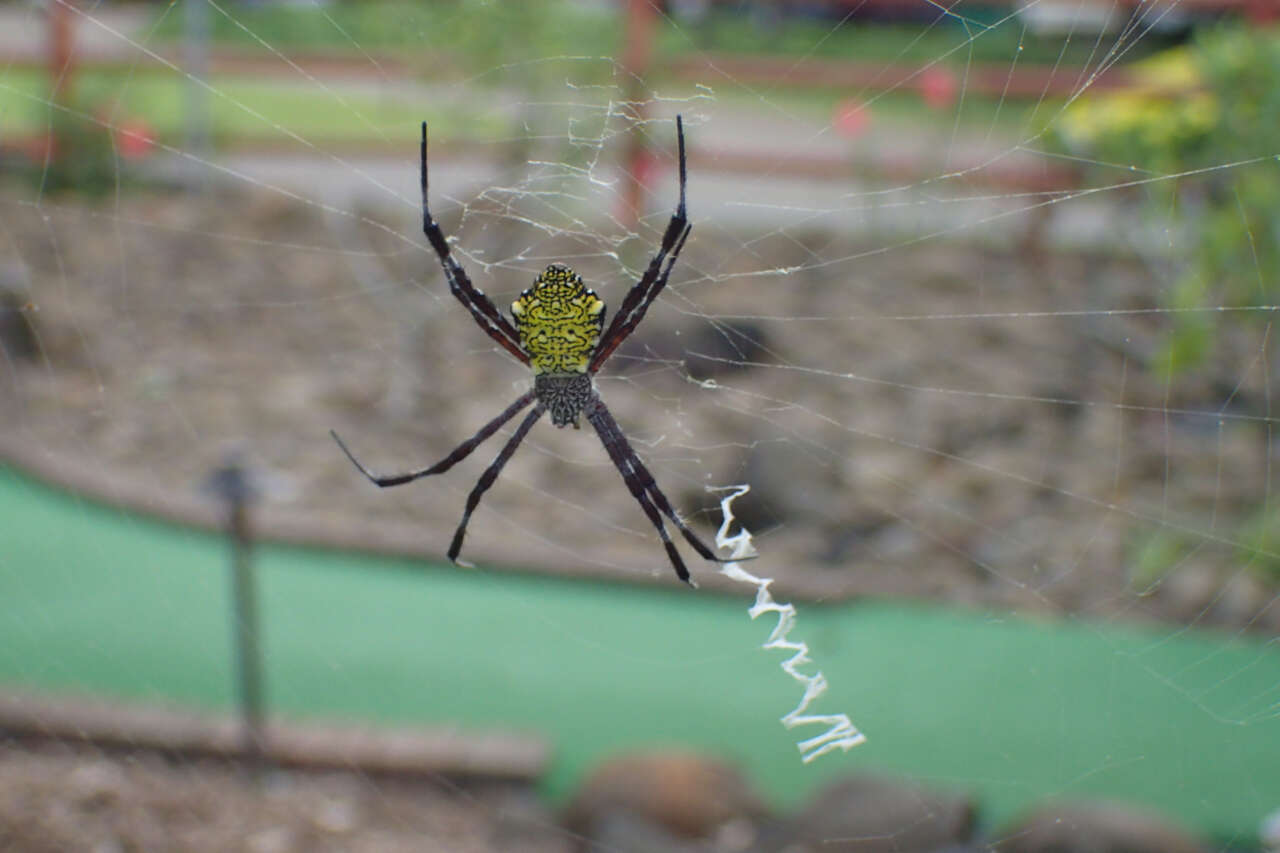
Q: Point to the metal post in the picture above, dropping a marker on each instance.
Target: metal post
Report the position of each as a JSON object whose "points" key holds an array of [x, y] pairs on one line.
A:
{"points": [[248, 652], [195, 59], [231, 483]]}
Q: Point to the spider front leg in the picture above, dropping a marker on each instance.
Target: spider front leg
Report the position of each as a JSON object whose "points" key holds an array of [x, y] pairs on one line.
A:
{"points": [[646, 290], [482, 309]]}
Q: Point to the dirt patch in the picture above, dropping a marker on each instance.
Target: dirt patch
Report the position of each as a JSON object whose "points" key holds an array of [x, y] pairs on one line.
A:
{"points": [[943, 421], [55, 797]]}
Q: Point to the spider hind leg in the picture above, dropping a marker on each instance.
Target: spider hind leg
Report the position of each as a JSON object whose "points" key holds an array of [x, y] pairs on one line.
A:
{"points": [[644, 489], [462, 451], [489, 476]]}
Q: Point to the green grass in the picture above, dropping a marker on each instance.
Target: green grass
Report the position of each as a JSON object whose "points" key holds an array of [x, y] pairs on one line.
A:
{"points": [[483, 35], [101, 602], [251, 110], [956, 39], [243, 108]]}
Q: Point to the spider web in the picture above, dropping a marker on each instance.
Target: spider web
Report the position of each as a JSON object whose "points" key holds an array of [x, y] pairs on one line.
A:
{"points": [[932, 339]]}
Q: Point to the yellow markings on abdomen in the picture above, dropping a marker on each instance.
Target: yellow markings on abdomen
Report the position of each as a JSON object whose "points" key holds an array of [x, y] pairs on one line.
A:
{"points": [[559, 321]]}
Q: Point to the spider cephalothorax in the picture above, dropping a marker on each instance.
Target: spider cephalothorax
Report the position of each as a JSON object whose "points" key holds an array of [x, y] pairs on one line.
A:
{"points": [[559, 334], [559, 321]]}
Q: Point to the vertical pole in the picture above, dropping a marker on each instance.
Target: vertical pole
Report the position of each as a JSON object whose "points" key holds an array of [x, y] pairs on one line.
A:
{"points": [[636, 56], [195, 58], [1261, 12], [231, 483], [60, 43], [248, 652]]}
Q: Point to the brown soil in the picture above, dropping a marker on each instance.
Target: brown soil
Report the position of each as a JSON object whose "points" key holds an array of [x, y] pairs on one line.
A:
{"points": [[1027, 460], [56, 798]]}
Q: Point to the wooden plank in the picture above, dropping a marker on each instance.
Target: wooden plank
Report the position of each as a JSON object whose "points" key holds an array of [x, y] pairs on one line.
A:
{"points": [[987, 79], [448, 752]]}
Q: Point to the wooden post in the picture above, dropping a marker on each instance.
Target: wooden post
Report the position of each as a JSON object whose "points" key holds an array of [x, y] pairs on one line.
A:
{"points": [[1262, 12], [60, 47], [637, 54]]}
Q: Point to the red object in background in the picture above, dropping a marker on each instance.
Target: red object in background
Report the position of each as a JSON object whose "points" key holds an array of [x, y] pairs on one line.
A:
{"points": [[637, 54], [644, 168], [41, 148], [938, 87], [851, 118], [134, 139], [1262, 11], [60, 47]]}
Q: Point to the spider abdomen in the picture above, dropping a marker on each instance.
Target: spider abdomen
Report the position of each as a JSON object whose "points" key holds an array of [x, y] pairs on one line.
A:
{"points": [[564, 395], [559, 321]]}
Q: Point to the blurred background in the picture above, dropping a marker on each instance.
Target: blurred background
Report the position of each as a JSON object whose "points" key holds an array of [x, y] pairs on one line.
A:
{"points": [[978, 302]]}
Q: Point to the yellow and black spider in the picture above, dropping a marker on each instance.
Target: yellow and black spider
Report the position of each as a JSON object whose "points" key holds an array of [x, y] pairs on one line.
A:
{"points": [[559, 333]]}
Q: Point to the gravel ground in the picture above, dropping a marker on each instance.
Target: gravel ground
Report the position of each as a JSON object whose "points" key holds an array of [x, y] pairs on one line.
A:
{"points": [[58, 798], [1025, 460]]}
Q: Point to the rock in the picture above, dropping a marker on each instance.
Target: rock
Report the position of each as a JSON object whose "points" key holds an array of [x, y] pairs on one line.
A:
{"points": [[789, 483], [18, 340], [624, 832], [708, 350], [686, 795], [1095, 828], [1269, 832], [720, 349], [870, 814]]}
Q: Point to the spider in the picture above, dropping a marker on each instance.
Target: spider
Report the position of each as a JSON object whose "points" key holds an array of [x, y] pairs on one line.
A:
{"points": [[559, 333]]}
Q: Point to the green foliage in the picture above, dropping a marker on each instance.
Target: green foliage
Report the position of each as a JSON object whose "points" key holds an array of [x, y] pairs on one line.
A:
{"points": [[489, 35], [79, 155], [1205, 119], [956, 38], [483, 37], [1154, 556], [157, 97], [1259, 547]]}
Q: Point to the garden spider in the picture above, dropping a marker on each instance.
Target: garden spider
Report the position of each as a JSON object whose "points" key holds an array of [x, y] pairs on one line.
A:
{"points": [[559, 333]]}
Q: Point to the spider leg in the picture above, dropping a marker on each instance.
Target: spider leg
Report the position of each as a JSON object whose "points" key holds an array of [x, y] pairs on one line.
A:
{"points": [[490, 475], [623, 463], [644, 489], [482, 309], [646, 290], [645, 479], [456, 455]]}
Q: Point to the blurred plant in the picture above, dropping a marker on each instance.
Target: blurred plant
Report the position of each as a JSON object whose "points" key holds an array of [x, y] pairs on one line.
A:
{"points": [[1152, 557], [76, 153], [80, 157], [1201, 125], [496, 42], [1259, 543], [1205, 114]]}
